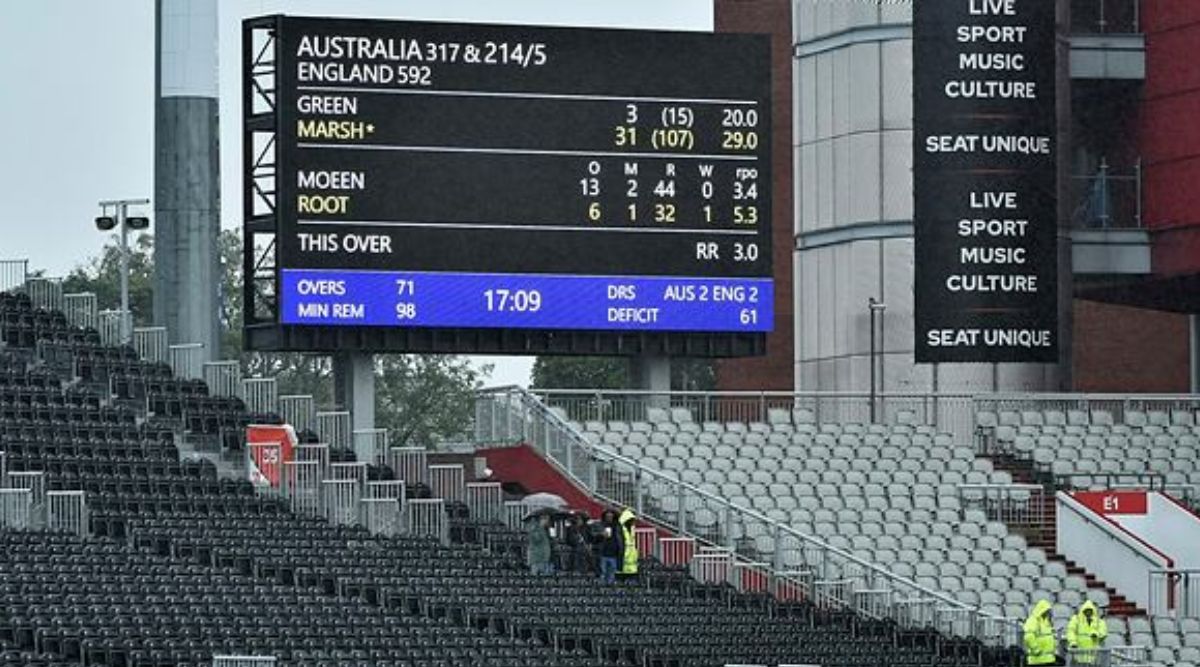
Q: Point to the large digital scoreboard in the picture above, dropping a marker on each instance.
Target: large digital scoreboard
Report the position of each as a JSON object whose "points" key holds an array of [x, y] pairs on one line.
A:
{"points": [[464, 177]]}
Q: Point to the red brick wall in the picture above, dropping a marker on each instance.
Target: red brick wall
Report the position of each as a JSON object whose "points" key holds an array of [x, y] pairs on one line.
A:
{"points": [[1123, 349], [773, 371], [1169, 135]]}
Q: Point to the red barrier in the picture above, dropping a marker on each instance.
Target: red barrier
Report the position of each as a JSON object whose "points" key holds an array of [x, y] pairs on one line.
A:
{"points": [[270, 448], [1114, 502]]}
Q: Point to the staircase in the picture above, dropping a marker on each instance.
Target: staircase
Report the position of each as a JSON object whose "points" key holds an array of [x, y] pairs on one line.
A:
{"points": [[1044, 537]]}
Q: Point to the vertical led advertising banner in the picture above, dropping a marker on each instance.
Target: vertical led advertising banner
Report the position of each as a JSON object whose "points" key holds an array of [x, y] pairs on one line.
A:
{"points": [[984, 179]]}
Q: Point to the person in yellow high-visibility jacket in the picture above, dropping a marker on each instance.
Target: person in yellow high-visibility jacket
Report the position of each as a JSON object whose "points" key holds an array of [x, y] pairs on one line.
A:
{"points": [[1085, 633], [1040, 645], [629, 561]]}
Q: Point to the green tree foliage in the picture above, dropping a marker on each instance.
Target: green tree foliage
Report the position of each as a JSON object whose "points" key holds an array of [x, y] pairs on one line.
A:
{"points": [[693, 375], [580, 373], [102, 276], [421, 399], [295, 373], [425, 398], [613, 373]]}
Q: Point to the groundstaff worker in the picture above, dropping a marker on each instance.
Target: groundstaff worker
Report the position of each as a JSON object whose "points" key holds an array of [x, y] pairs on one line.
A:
{"points": [[629, 563], [1039, 636], [1085, 633]]}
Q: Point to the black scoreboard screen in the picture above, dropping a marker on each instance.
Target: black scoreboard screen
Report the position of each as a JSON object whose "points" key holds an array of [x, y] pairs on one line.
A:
{"points": [[434, 175]]}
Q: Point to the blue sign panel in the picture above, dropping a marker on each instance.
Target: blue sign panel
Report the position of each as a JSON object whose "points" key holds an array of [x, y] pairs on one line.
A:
{"points": [[529, 301]]}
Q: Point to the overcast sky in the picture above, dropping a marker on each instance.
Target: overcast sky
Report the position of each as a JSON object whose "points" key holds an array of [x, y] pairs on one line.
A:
{"points": [[77, 103]]}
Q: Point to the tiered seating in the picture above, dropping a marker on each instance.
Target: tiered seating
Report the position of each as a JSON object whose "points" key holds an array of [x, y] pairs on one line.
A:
{"points": [[183, 565], [888, 494], [21, 325], [1176, 641], [1089, 449], [467, 586], [11, 656]]}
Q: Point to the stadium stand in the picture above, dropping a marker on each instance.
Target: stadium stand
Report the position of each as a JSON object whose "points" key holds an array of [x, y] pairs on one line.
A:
{"points": [[161, 561], [1080, 444], [903, 497], [1084, 446]]}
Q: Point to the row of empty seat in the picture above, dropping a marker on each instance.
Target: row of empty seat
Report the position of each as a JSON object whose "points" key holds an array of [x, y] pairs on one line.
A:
{"points": [[182, 565], [892, 495], [1090, 449]]}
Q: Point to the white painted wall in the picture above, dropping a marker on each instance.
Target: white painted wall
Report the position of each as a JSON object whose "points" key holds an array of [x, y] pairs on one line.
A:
{"points": [[1102, 548], [1169, 527]]}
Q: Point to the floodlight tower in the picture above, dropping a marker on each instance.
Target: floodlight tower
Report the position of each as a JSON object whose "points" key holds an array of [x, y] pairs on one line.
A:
{"points": [[106, 223], [187, 276]]}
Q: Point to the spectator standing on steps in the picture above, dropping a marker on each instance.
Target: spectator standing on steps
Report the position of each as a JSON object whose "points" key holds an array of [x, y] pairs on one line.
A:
{"points": [[576, 537], [538, 550], [612, 548]]}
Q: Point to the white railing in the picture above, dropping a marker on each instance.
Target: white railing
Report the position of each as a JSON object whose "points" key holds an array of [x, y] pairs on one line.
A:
{"points": [[152, 344], [949, 413], [187, 360], [1021, 505], [67, 512], [448, 482], [260, 395], [298, 410], [831, 576], [370, 444], [14, 273], [334, 428], [427, 518], [242, 661], [1175, 593], [16, 509], [1117, 656], [34, 482], [485, 501], [45, 293], [410, 464], [1105, 549], [224, 378], [112, 325], [1116, 406], [81, 309]]}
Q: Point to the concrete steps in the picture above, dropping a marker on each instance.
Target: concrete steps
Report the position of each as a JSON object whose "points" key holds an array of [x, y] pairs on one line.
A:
{"points": [[1045, 537]]}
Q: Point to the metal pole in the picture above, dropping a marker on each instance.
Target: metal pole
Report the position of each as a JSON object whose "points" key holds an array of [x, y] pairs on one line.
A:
{"points": [[874, 306], [871, 307], [1137, 171], [126, 334]]}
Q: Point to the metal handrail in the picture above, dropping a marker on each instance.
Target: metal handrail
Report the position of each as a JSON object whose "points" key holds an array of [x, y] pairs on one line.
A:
{"points": [[1182, 592], [532, 404]]}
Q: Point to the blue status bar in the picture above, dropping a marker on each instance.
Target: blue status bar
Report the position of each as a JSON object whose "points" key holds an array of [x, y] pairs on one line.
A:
{"points": [[525, 301]]}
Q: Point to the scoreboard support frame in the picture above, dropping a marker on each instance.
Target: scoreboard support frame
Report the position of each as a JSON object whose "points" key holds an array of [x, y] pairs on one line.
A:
{"points": [[262, 327]]}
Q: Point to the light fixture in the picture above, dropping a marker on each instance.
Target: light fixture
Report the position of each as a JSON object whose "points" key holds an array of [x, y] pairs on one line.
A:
{"points": [[138, 222], [106, 223]]}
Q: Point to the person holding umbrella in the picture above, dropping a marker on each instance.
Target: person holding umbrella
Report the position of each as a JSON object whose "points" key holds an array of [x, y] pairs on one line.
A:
{"points": [[538, 549]]}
